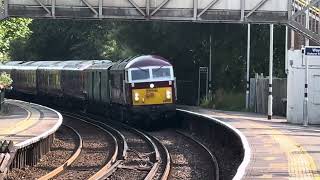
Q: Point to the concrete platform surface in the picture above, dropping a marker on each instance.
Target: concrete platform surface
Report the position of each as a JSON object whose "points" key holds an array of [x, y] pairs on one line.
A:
{"points": [[26, 123], [278, 150]]}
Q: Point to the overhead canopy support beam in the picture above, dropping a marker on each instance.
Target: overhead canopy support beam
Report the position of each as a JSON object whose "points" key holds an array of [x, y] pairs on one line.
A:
{"points": [[298, 13], [43, 6], [242, 6], [148, 7], [195, 9], [258, 6], [159, 7], [53, 8], [90, 7], [137, 7], [208, 7], [100, 8]]}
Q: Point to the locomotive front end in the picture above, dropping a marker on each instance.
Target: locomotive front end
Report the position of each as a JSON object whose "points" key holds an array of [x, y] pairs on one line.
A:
{"points": [[152, 87]]}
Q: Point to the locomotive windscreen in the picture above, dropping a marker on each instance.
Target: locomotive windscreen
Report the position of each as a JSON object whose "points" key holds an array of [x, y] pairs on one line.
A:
{"points": [[160, 73], [140, 74]]}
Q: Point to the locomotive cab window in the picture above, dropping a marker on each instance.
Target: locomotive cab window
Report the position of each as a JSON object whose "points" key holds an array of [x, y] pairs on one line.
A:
{"points": [[161, 73], [140, 74]]}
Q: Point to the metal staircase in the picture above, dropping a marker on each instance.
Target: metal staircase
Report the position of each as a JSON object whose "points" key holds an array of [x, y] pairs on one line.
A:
{"points": [[305, 18]]}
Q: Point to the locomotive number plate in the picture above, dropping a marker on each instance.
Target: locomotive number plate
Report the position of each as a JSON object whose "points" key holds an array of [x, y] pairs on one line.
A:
{"points": [[150, 93]]}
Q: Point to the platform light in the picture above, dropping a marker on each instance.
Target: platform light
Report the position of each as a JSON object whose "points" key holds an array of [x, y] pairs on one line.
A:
{"points": [[168, 94]]}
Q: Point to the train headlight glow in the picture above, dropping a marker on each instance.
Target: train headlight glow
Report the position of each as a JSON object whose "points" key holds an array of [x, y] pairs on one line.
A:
{"points": [[136, 97], [168, 94]]}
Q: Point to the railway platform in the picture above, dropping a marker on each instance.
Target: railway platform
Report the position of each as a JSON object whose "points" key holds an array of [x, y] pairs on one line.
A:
{"points": [[26, 123], [277, 149], [29, 129]]}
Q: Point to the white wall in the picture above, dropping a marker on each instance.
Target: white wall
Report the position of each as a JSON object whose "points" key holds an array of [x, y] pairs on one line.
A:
{"points": [[296, 78]]}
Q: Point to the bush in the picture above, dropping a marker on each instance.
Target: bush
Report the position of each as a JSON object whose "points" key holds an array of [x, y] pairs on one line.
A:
{"points": [[222, 100], [5, 80]]}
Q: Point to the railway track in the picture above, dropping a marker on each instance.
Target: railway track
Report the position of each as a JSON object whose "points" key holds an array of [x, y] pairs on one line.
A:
{"points": [[144, 157], [66, 146], [99, 151], [190, 158], [74, 156], [111, 150]]}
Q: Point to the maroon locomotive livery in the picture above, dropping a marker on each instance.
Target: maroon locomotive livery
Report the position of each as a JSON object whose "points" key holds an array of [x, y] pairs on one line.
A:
{"points": [[143, 88]]}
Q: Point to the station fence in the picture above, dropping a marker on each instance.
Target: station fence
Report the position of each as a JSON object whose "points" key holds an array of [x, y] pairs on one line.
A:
{"points": [[259, 95]]}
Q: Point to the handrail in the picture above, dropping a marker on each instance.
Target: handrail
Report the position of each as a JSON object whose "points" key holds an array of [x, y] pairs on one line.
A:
{"points": [[304, 4]]}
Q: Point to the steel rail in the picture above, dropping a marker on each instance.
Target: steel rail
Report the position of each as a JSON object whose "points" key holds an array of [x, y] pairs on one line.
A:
{"points": [[113, 159], [125, 148], [165, 174], [75, 155], [118, 133], [156, 164], [213, 158]]}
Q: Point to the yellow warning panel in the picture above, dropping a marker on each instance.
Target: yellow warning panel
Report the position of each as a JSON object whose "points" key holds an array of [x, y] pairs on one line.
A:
{"points": [[152, 96]]}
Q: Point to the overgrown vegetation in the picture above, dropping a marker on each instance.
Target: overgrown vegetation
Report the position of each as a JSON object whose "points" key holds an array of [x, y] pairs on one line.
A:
{"points": [[223, 100], [10, 30], [5, 80]]}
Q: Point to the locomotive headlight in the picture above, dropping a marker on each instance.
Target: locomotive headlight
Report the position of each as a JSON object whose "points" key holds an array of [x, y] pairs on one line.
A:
{"points": [[136, 97], [168, 94]]}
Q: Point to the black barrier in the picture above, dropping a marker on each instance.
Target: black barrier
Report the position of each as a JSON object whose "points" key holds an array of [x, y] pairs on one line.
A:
{"points": [[225, 143], [6, 146], [2, 94]]}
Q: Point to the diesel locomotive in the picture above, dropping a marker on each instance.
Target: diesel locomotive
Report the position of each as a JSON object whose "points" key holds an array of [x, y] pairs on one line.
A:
{"points": [[137, 90]]}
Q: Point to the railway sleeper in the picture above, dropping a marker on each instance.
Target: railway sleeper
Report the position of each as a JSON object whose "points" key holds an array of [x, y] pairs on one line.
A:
{"points": [[138, 168]]}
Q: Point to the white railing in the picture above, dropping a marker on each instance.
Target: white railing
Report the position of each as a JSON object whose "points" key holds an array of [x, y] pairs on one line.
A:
{"points": [[305, 18]]}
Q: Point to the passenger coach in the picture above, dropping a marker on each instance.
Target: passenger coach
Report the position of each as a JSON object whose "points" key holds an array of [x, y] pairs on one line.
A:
{"points": [[137, 90]]}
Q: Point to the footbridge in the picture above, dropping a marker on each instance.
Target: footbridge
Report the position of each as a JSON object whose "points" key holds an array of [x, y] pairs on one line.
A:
{"points": [[290, 12]]}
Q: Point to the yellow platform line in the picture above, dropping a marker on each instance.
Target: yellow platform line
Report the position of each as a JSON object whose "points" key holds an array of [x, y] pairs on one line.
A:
{"points": [[301, 164], [32, 118]]}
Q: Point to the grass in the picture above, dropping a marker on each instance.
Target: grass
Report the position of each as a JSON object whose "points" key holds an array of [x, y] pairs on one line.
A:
{"points": [[222, 100]]}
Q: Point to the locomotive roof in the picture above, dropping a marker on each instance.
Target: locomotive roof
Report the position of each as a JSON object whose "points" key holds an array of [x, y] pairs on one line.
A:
{"points": [[141, 61]]}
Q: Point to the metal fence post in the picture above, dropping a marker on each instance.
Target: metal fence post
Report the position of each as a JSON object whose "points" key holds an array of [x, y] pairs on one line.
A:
{"points": [[270, 73]]}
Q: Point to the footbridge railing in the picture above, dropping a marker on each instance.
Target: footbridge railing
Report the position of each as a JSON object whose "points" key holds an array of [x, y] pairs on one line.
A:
{"points": [[305, 18], [301, 15]]}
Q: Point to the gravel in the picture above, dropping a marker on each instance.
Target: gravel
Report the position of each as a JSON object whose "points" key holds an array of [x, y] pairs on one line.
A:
{"points": [[138, 161], [98, 147], [188, 160], [62, 148]]}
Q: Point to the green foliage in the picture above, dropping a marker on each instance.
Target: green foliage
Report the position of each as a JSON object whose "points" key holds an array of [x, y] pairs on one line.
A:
{"points": [[5, 80], [10, 30], [186, 45], [67, 39], [222, 100]]}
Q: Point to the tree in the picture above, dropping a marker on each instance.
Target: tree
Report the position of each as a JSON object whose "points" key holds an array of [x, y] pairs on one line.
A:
{"points": [[65, 40], [5, 80], [10, 30]]}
